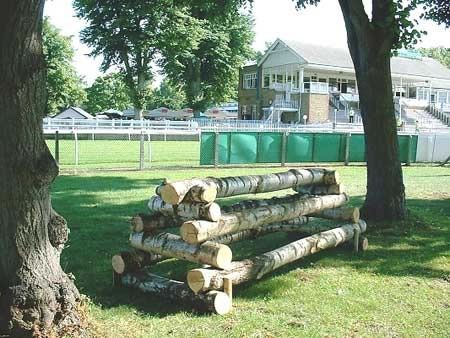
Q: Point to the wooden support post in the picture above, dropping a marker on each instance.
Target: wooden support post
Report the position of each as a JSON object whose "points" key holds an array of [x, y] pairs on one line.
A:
{"points": [[141, 151], [347, 148], [228, 288], [57, 146], [284, 148], [77, 155]]}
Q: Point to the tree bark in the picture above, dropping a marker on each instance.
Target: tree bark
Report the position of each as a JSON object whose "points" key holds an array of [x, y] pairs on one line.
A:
{"points": [[174, 193], [214, 301], [370, 44], [339, 214], [335, 189], [200, 231], [36, 297], [186, 211], [218, 255], [200, 280]]}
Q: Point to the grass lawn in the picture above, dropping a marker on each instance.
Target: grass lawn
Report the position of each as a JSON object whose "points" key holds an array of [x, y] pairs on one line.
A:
{"points": [[399, 288]]}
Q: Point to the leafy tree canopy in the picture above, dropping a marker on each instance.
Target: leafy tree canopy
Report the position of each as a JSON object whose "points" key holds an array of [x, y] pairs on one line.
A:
{"points": [[108, 91], [64, 85], [167, 95], [441, 54]]}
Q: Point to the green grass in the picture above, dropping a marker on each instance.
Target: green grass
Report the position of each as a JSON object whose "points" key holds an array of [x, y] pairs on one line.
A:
{"points": [[399, 288]]}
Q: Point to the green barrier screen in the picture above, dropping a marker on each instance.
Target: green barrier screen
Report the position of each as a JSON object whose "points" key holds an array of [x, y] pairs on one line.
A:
{"points": [[243, 148], [266, 147], [269, 147], [299, 148], [328, 148]]}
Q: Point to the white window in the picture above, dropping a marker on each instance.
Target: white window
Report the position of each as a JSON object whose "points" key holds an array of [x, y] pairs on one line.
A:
{"points": [[249, 81], [266, 80]]}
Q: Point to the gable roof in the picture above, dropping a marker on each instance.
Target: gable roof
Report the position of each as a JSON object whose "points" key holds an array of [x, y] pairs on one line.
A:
{"points": [[76, 110], [340, 57]]}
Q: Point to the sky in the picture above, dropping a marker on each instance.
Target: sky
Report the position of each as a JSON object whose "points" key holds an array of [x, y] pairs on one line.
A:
{"points": [[321, 25]]}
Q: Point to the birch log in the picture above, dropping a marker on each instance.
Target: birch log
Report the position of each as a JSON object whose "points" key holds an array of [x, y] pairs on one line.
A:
{"points": [[213, 301], [339, 214], [153, 222], [185, 211], [335, 189], [218, 255], [256, 203], [175, 192], [129, 261], [200, 231], [255, 268]]}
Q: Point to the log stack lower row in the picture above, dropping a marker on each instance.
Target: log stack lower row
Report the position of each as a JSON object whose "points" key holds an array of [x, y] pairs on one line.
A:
{"points": [[204, 231]]}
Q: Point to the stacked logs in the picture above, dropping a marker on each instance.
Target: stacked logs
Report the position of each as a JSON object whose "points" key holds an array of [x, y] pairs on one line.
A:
{"points": [[206, 229]]}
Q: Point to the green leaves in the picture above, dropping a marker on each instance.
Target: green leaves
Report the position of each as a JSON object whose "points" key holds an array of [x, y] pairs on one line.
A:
{"points": [[64, 85]]}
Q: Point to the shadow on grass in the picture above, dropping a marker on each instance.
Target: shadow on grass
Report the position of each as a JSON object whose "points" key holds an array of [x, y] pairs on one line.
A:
{"points": [[98, 208]]}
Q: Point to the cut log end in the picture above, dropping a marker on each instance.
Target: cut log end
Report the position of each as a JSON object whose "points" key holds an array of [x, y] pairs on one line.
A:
{"points": [[355, 215], [198, 280], [222, 303], [118, 264], [209, 194], [190, 231], [170, 195], [137, 224], [224, 256], [363, 243], [214, 212]]}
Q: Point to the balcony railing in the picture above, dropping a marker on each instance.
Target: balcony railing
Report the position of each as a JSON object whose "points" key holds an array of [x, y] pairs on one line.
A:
{"points": [[315, 87], [285, 104]]}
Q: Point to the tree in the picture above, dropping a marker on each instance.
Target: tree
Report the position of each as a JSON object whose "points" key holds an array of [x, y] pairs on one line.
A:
{"points": [[126, 34], [437, 10], [108, 91], [64, 85], [36, 297], [220, 39], [370, 42], [167, 95], [440, 54]]}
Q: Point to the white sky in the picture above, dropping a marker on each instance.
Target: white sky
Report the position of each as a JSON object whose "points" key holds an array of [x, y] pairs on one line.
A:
{"points": [[321, 25]]}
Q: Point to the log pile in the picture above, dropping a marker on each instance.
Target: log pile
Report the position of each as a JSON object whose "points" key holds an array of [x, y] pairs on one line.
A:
{"points": [[205, 230]]}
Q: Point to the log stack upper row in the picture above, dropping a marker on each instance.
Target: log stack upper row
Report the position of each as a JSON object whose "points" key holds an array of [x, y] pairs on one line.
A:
{"points": [[205, 230]]}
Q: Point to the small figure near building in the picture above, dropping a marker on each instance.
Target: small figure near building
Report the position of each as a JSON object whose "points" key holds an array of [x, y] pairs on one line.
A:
{"points": [[351, 115]]}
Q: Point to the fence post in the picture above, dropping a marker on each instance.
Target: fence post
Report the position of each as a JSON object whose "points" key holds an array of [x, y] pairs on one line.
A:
{"points": [[216, 150], [57, 146], [347, 148], [283, 148], [141, 151], [408, 155], [77, 154], [149, 149]]}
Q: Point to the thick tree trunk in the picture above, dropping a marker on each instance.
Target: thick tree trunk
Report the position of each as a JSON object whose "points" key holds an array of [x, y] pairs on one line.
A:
{"points": [[200, 231], [174, 193], [214, 301], [218, 255], [36, 297], [370, 45], [255, 268], [186, 211]]}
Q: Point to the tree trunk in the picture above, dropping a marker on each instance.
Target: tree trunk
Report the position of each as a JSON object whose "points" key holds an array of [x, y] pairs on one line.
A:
{"points": [[255, 268], [200, 231], [370, 45], [36, 297], [174, 193], [214, 301], [169, 245]]}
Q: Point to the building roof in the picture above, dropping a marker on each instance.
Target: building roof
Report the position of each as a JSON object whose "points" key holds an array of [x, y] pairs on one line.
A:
{"points": [[76, 110], [340, 57]]}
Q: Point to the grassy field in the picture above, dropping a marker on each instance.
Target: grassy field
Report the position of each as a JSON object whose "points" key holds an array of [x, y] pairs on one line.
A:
{"points": [[399, 288]]}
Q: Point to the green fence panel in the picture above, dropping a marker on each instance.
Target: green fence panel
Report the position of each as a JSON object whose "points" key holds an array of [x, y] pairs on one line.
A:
{"points": [[299, 147], [357, 148], [224, 148], [404, 146], [413, 148], [243, 148], [329, 147], [269, 147], [207, 149]]}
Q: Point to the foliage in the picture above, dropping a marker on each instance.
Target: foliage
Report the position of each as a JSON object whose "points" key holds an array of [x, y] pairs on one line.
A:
{"points": [[167, 95], [126, 34], [441, 54], [108, 91], [437, 10], [217, 42], [64, 85]]}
